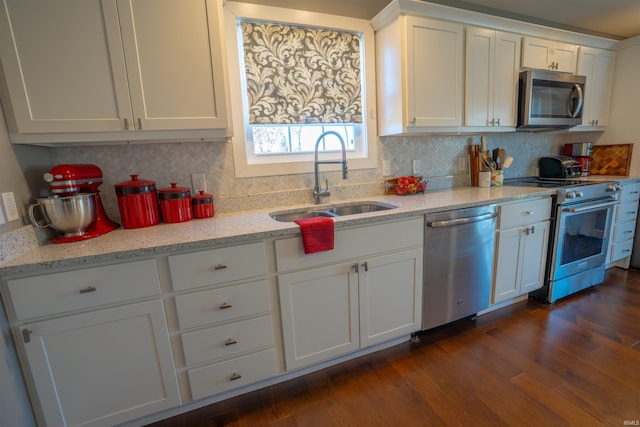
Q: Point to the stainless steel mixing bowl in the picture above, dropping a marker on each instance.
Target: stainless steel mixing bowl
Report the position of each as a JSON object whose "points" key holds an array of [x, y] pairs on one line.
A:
{"points": [[70, 215]]}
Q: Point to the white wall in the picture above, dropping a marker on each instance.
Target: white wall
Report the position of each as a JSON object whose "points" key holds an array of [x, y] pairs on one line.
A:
{"points": [[624, 119]]}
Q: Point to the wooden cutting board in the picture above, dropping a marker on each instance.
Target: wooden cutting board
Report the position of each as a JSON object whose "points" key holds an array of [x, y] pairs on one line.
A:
{"points": [[611, 159]]}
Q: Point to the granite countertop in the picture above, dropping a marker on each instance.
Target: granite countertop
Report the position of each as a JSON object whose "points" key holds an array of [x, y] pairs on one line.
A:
{"points": [[239, 227]]}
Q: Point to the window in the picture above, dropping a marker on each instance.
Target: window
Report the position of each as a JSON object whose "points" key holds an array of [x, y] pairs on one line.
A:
{"points": [[294, 80]]}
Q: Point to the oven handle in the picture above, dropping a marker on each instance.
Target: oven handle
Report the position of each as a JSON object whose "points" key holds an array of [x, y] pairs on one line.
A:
{"points": [[590, 207]]}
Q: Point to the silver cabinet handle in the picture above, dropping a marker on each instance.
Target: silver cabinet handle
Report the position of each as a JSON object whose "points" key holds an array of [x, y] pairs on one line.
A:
{"points": [[26, 335], [365, 265], [88, 289], [498, 122], [235, 376], [356, 267], [219, 267], [126, 124], [139, 123], [230, 341], [225, 305]]}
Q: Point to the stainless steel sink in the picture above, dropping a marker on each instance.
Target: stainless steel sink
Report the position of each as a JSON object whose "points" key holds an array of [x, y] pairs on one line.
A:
{"points": [[336, 210]]}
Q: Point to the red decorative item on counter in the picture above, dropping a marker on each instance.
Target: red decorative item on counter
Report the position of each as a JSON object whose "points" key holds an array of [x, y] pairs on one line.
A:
{"points": [[138, 203], [202, 205], [175, 203]]}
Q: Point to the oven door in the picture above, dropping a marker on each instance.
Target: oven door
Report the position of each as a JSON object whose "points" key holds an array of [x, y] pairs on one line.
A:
{"points": [[582, 232]]}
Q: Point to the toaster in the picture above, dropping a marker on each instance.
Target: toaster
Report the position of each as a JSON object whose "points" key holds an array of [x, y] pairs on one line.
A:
{"points": [[559, 167]]}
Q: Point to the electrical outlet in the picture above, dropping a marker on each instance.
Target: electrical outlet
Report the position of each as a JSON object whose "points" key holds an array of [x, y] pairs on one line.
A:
{"points": [[463, 161], [198, 183], [10, 206], [415, 164], [386, 168]]}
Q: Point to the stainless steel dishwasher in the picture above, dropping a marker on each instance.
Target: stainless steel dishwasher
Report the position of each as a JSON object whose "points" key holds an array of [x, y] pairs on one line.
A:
{"points": [[458, 263]]}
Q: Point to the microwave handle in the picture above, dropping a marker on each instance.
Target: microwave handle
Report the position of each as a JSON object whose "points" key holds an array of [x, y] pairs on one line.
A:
{"points": [[578, 89]]}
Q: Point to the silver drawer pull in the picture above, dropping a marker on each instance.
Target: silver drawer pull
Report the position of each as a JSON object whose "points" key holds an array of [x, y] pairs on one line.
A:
{"points": [[631, 212], [626, 250], [219, 267], [88, 289], [235, 376], [225, 305], [530, 212], [628, 232], [230, 341]]}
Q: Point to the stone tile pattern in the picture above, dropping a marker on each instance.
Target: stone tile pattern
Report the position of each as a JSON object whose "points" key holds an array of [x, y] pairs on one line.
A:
{"points": [[174, 162]]}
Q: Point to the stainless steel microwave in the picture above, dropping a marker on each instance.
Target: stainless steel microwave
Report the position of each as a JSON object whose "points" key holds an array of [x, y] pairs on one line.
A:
{"points": [[549, 100]]}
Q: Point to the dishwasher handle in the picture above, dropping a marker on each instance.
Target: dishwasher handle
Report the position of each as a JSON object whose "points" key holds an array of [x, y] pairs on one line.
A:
{"points": [[461, 221]]}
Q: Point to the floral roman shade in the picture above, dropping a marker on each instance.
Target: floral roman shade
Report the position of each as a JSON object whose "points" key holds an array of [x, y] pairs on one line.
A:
{"points": [[297, 75]]}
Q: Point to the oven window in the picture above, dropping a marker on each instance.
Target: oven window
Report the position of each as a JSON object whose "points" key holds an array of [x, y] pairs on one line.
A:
{"points": [[584, 236]]}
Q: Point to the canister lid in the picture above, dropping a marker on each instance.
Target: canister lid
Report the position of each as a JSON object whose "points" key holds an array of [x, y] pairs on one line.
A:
{"points": [[202, 198], [135, 186], [174, 192]]}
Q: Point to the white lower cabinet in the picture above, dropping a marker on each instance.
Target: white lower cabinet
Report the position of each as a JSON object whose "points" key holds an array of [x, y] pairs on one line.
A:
{"points": [[335, 309], [104, 367], [95, 344], [623, 226], [225, 320], [521, 248]]}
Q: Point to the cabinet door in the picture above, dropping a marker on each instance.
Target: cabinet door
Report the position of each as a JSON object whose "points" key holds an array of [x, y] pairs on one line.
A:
{"points": [[63, 65], [505, 80], [319, 309], [104, 367], [390, 296], [480, 54], [533, 254], [434, 72], [505, 281], [549, 55], [493, 61], [598, 66], [174, 63]]}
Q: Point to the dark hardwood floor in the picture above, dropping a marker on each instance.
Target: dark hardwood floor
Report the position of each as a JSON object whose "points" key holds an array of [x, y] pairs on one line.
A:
{"points": [[576, 363]]}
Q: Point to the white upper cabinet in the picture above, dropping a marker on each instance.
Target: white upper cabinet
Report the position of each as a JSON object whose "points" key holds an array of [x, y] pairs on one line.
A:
{"points": [[492, 65], [114, 66], [420, 75], [549, 55], [598, 66]]}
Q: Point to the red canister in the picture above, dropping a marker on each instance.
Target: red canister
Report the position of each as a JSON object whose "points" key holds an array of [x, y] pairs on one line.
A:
{"points": [[138, 203], [175, 203], [202, 205]]}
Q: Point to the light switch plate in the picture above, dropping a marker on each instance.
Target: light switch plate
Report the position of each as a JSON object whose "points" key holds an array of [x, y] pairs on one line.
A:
{"points": [[386, 168], [10, 206]]}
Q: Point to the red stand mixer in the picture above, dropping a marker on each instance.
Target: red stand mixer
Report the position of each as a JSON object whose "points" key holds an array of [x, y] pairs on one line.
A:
{"points": [[71, 180]]}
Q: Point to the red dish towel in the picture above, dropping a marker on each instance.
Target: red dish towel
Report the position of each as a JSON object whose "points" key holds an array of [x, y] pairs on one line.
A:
{"points": [[317, 234]]}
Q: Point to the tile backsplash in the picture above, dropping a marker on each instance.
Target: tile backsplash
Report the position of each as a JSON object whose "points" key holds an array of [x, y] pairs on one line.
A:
{"points": [[175, 162]]}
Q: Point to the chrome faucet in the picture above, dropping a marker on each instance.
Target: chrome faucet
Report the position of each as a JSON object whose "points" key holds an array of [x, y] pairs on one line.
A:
{"points": [[319, 193]]}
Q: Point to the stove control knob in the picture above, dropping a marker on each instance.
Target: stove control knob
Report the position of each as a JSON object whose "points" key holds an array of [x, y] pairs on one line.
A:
{"points": [[579, 194], [570, 195], [614, 187]]}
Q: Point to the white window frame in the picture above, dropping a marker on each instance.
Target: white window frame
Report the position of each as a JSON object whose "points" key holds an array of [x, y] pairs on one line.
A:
{"points": [[245, 162]]}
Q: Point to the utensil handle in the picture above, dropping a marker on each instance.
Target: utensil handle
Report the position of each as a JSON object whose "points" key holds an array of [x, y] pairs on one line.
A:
{"points": [[33, 218]]}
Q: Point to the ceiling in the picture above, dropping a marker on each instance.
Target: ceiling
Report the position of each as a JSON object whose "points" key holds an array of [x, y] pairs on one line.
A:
{"points": [[616, 19]]}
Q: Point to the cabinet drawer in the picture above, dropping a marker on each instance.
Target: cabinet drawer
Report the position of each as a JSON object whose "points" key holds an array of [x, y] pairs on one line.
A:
{"points": [[351, 243], [630, 192], [227, 340], [522, 213], [627, 212], [223, 304], [621, 250], [624, 231], [217, 265], [234, 373], [80, 289]]}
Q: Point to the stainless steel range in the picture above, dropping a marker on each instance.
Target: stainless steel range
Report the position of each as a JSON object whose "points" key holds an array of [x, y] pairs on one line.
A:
{"points": [[581, 218]]}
